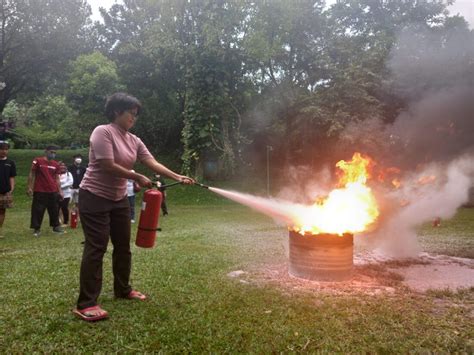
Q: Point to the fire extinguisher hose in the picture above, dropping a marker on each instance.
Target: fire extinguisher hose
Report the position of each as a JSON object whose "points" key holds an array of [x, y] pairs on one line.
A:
{"points": [[167, 185], [178, 183]]}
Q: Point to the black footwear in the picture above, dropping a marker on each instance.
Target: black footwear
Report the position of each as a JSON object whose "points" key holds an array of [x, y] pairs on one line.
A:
{"points": [[58, 230], [36, 233]]}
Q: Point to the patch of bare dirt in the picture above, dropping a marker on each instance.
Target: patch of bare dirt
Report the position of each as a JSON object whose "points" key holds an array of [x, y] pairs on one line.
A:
{"points": [[364, 280], [375, 274], [438, 272]]}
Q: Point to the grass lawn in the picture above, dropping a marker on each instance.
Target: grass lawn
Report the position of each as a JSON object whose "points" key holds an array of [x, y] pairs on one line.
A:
{"points": [[194, 306]]}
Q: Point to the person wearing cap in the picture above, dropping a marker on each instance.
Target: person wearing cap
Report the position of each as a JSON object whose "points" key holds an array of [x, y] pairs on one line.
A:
{"points": [[77, 170], [104, 206], [44, 186], [7, 182]]}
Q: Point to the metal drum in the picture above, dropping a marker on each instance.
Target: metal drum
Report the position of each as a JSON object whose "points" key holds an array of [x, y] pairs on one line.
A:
{"points": [[321, 257]]}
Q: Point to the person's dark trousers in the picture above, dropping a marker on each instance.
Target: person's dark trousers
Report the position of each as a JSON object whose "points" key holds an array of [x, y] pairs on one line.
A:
{"points": [[43, 201], [103, 219], [131, 201], [64, 207], [164, 208]]}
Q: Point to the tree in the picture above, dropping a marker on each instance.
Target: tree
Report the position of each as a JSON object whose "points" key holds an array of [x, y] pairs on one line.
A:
{"points": [[187, 65], [353, 82], [92, 78], [143, 39], [37, 40], [286, 48], [216, 85], [49, 120]]}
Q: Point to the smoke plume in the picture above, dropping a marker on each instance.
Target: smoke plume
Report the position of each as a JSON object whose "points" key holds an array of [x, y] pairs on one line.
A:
{"points": [[440, 198], [434, 73], [434, 135]]}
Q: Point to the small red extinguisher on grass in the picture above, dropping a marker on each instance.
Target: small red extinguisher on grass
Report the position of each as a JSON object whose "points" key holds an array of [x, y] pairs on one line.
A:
{"points": [[149, 215], [74, 218]]}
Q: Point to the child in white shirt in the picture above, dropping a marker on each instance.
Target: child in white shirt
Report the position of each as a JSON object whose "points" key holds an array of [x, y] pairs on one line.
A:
{"points": [[66, 186]]}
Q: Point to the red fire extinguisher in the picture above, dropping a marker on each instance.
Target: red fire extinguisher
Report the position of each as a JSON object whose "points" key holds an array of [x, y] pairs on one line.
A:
{"points": [[74, 217], [149, 216]]}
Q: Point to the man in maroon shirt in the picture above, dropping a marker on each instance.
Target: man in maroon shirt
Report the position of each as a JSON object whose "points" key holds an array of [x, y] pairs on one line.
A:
{"points": [[45, 187]]}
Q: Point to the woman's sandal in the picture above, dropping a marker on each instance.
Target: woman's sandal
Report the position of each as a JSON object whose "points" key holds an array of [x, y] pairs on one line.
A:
{"points": [[135, 295], [91, 314]]}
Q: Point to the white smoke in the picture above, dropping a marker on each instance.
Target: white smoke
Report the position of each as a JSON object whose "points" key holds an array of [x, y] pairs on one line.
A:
{"points": [[397, 236], [303, 185]]}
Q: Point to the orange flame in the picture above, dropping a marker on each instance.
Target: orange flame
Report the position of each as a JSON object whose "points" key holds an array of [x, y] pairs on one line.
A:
{"points": [[351, 208], [391, 174], [396, 183]]}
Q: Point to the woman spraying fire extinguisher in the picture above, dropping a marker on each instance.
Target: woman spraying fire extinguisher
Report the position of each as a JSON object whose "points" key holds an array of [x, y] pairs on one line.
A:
{"points": [[103, 203]]}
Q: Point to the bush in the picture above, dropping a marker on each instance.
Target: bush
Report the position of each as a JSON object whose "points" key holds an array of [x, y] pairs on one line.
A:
{"points": [[48, 120]]}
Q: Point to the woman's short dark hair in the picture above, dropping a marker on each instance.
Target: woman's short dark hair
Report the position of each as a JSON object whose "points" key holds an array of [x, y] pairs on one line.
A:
{"points": [[120, 102]]}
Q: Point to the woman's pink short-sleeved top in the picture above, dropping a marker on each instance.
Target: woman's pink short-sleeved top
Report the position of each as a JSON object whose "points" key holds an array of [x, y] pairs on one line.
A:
{"points": [[124, 148]]}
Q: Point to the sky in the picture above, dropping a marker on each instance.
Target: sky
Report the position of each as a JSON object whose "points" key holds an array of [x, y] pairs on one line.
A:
{"points": [[95, 4], [462, 7]]}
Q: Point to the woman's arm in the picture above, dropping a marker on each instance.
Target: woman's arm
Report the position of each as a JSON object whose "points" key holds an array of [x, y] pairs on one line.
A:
{"points": [[159, 168], [109, 166], [12, 184]]}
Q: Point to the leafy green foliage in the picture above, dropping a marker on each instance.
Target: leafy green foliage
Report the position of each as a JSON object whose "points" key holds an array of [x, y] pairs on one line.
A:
{"points": [[187, 69], [143, 38], [92, 78], [15, 112], [48, 120], [220, 80], [37, 40]]}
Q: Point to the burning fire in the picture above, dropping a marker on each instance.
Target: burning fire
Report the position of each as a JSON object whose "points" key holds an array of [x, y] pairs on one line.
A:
{"points": [[350, 208]]}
